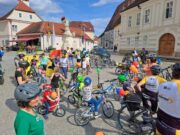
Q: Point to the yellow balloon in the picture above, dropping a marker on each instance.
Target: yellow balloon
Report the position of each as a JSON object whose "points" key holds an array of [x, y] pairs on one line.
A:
{"points": [[81, 86]]}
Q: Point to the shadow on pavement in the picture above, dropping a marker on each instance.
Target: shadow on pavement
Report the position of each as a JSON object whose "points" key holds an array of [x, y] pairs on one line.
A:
{"points": [[13, 80], [12, 105]]}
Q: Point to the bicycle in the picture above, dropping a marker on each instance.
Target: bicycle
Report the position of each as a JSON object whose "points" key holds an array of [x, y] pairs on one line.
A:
{"points": [[166, 73], [84, 114], [110, 89], [135, 119], [1, 75]]}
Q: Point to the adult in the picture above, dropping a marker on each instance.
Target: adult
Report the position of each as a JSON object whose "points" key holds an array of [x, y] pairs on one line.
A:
{"points": [[143, 55], [20, 73], [43, 61], [64, 65], [1, 53], [134, 54], [70, 56], [168, 122], [27, 122]]}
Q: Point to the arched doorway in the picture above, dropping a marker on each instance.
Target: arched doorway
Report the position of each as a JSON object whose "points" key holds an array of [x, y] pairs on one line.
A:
{"points": [[166, 45]]}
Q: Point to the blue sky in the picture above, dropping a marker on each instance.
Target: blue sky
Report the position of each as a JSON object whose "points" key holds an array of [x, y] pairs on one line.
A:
{"points": [[98, 12]]}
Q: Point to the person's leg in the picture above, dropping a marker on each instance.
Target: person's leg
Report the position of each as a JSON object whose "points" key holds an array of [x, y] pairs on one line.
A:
{"points": [[65, 72], [47, 109], [154, 105]]}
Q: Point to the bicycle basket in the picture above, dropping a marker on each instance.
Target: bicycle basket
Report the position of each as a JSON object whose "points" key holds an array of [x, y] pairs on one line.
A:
{"points": [[133, 102]]}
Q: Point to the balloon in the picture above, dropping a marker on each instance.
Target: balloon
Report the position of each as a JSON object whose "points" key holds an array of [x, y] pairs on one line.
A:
{"points": [[122, 93], [78, 64], [71, 70], [136, 79], [133, 69], [81, 86], [135, 63], [98, 70], [117, 90], [100, 133]]}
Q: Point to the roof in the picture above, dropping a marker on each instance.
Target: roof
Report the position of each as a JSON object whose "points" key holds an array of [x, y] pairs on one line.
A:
{"points": [[21, 6], [116, 18], [45, 27], [87, 26]]}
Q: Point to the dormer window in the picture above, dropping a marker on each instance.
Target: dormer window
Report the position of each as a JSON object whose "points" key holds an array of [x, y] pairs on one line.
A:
{"points": [[30, 16], [20, 15]]}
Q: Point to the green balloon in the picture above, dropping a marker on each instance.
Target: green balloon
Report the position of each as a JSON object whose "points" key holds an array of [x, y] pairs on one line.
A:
{"points": [[71, 70], [81, 86], [98, 70]]}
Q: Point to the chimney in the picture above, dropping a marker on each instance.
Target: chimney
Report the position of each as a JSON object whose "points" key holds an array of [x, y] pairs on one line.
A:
{"points": [[25, 2]]}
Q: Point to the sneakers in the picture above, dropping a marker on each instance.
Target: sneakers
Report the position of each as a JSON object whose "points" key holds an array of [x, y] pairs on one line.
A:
{"points": [[96, 115], [45, 117]]}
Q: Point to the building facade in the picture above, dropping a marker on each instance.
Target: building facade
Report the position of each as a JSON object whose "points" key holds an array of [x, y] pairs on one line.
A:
{"points": [[22, 24], [152, 24], [14, 21]]}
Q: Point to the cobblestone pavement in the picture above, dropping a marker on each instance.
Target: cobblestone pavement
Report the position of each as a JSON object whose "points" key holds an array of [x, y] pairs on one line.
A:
{"points": [[54, 125]]}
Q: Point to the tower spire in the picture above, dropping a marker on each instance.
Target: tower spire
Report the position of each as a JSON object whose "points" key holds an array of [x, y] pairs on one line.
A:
{"points": [[25, 2]]}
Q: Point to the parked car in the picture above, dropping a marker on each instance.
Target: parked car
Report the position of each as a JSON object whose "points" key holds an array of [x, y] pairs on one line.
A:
{"points": [[102, 52]]}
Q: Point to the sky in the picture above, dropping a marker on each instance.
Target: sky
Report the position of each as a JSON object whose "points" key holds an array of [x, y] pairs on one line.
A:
{"points": [[98, 12]]}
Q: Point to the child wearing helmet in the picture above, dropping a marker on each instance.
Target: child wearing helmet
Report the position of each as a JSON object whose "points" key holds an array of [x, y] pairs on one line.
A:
{"points": [[151, 84], [87, 95], [49, 96]]}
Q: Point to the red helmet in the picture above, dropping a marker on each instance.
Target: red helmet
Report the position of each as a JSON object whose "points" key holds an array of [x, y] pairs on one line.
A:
{"points": [[46, 86]]}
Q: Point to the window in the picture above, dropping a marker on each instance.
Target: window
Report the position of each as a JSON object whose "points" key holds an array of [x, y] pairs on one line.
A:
{"points": [[20, 15], [3, 42], [129, 41], [138, 19], [169, 9], [147, 16], [14, 28], [6, 42], [137, 40], [145, 40], [129, 21], [30, 16]]}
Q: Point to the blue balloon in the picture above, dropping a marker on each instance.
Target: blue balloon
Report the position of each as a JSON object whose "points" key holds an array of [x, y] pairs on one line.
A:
{"points": [[1, 53]]}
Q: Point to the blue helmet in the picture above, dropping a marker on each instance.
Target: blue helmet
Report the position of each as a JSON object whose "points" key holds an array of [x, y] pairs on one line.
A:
{"points": [[87, 81]]}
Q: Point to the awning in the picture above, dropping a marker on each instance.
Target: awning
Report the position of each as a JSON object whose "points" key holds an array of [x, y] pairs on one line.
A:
{"points": [[24, 39]]}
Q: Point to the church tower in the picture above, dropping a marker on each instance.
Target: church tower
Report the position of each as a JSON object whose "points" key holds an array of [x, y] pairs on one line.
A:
{"points": [[26, 2]]}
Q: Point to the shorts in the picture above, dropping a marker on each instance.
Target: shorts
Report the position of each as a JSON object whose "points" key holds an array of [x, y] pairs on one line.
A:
{"points": [[55, 85]]}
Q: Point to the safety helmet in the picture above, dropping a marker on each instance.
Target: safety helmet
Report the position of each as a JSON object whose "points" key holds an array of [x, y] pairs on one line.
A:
{"points": [[87, 81], [152, 57], [80, 78], [53, 95], [176, 69], [122, 78], [23, 64], [99, 133], [156, 69], [21, 55], [26, 92]]}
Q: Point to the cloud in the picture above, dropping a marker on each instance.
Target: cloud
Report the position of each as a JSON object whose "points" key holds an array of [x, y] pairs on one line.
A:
{"points": [[104, 2], [46, 6], [100, 24]]}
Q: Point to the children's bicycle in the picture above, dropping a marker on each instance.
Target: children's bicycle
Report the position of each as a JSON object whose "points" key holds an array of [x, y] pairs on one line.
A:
{"points": [[84, 114]]}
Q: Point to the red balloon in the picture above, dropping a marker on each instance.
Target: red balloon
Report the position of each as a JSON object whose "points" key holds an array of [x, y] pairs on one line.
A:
{"points": [[135, 63], [122, 93]]}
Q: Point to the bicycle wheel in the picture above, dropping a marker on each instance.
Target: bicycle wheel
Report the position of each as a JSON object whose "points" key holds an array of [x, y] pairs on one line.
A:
{"points": [[71, 99], [41, 110], [118, 70], [127, 123], [60, 112], [81, 116], [108, 109]]}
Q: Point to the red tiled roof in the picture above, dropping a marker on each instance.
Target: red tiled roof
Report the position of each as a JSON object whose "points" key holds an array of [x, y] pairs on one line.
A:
{"points": [[87, 26], [21, 6], [45, 27]]}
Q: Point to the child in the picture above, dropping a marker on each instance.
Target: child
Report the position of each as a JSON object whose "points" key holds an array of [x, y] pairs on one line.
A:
{"points": [[34, 61], [50, 97], [84, 66], [55, 78], [88, 63], [87, 96]]}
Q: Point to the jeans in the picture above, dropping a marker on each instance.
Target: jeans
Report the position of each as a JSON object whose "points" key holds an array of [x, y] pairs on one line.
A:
{"points": [[71, 60], [47, 107], [64, 71]]}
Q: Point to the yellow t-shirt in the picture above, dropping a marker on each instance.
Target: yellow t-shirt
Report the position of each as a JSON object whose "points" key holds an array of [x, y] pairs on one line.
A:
{"points": [[160, 80], [178, 83]]}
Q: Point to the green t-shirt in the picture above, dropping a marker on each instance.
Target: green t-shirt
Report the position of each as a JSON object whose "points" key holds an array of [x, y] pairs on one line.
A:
{"points": [[27, 124]]}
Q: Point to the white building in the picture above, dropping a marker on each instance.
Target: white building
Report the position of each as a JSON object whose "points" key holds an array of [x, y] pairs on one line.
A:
{"points": [[152, 24], [15, 20], [22, 24]]}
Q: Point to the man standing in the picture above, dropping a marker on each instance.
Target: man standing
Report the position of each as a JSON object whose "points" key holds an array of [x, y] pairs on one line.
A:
{"points": [[64, 65], [143, 55]]}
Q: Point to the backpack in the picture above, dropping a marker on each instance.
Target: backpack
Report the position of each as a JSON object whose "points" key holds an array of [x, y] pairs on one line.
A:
{"points": [[152, 84]]}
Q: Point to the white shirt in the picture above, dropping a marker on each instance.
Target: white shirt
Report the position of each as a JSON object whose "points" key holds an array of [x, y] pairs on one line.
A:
{"points": [[84, 65], [87, 93], [87, 61]]}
